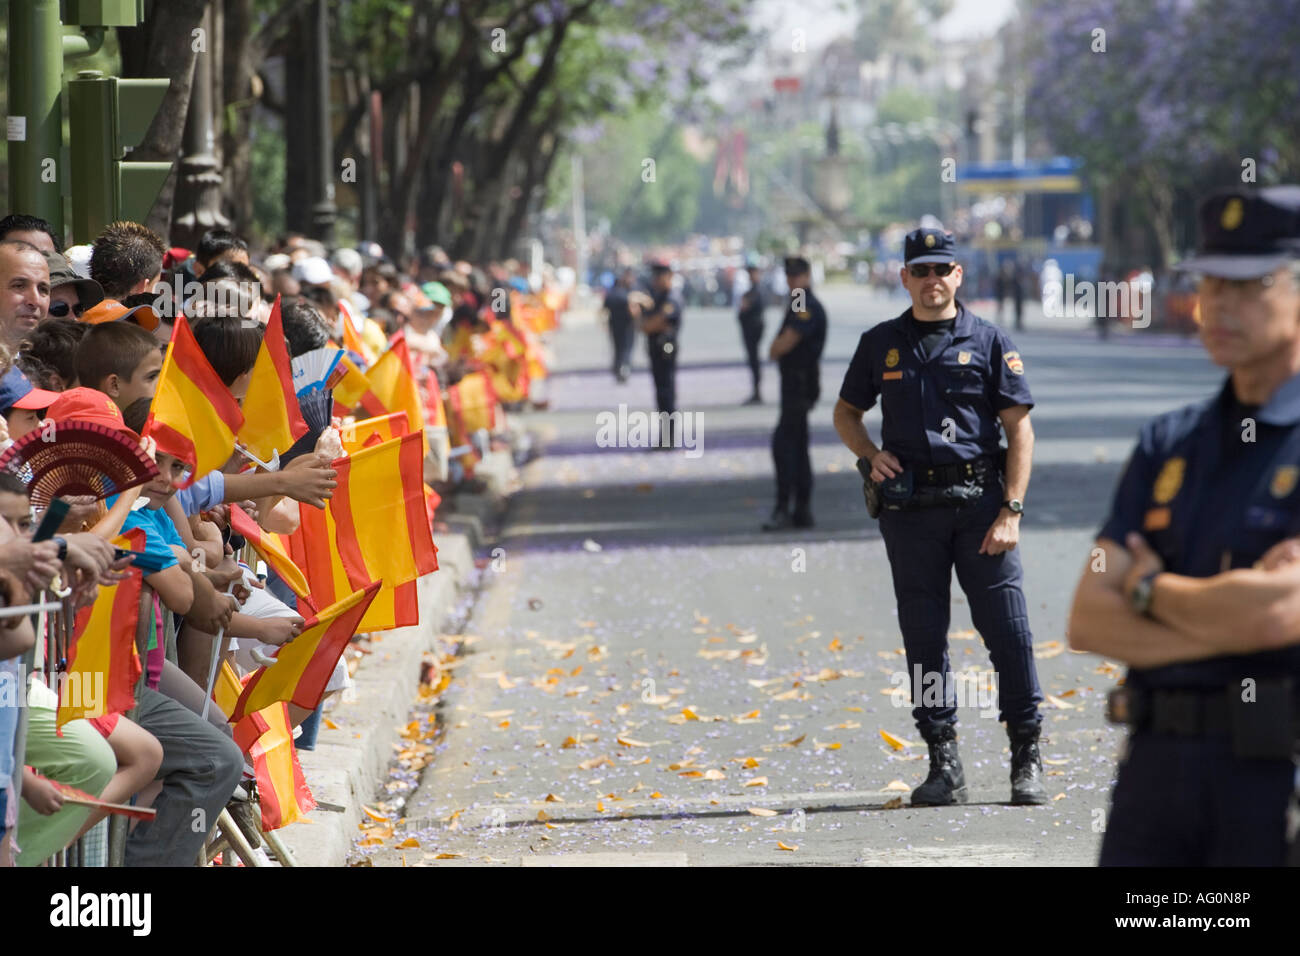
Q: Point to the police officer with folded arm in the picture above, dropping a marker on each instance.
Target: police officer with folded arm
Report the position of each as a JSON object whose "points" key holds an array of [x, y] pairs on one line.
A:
{"points": [[949, 384], [661, 321], [1195, 578]]}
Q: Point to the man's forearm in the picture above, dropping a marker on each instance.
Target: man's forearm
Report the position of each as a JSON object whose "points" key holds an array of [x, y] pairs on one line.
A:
{"points": [[1020, 456], [1103, 622], [853, 432], [1238, 611]]}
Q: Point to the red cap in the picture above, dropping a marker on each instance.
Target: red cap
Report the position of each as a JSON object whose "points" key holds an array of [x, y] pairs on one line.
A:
{"points": [[174, 257], [88, 405]]}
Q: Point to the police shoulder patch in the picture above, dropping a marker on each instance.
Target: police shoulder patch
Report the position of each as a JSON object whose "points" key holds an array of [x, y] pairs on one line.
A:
{"points": [[1284, 481], [1014, 362], [1169, 480]]}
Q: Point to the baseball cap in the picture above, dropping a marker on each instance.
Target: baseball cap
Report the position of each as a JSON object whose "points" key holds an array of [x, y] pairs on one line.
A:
{"points": [[17, 392], [929, 245], [110, 310], [1245, 234], [437, 293], [79, 258], [313, 270], [174, 257], [87, 405], [88, 290]]}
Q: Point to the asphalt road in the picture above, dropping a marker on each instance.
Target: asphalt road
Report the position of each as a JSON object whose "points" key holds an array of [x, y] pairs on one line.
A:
{"points": [[644, 670]]}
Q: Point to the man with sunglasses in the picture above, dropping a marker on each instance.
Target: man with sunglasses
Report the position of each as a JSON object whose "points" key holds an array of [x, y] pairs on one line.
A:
{"points": [[949, 384], [1194, 577], [70, 295]]}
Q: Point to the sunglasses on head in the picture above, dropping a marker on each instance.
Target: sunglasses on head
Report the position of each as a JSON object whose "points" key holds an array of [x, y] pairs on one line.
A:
{"points": [[922, 269], [61, 309]]}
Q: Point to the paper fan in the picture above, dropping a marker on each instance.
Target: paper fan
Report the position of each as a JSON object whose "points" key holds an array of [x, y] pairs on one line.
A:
{"points": [[84, 458], [317, 406], [311, 370]]}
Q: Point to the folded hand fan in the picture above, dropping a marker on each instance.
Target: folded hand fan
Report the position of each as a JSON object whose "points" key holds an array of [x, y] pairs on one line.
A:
{"points": [[77, 458], [311, 380]]}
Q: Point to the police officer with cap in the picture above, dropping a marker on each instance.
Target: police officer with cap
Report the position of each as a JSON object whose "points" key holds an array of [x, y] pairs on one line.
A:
{"points": [[661, 322], [750, 315], [1195, 573], [946, 495], [798, 348]]}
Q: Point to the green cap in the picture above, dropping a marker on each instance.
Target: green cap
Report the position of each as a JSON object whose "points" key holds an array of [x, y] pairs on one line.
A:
{"points": [[437, 293]]}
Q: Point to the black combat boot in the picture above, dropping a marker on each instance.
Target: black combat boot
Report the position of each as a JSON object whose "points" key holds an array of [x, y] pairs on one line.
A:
{"points": [[946, 783], [1026, 766]]}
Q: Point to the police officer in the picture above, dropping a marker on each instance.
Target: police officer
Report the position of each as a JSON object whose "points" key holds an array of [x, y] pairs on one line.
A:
{"points": [[948, 383], [751, 327], [621, 303], [798, 348], [661, 322], [1194, 578]]}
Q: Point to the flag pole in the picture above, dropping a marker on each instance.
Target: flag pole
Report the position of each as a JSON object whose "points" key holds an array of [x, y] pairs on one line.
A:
{"points": [[216, 656]]}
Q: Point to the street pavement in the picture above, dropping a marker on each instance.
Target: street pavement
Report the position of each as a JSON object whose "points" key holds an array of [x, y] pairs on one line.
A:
{"points": [[648, 679]]}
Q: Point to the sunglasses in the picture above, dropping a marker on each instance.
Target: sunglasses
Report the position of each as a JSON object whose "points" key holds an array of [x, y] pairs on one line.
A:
{"points": [[61, 309], [922, 269]]}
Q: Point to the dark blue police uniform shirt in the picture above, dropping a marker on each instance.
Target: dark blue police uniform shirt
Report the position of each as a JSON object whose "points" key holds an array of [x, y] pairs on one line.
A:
{"points": [[974, 373], [800, 374], [672, 307], [1208, 501]]}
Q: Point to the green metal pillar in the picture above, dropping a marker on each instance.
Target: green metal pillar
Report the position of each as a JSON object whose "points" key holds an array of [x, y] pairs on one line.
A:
{"points": [[92, 128], [34, 127]]}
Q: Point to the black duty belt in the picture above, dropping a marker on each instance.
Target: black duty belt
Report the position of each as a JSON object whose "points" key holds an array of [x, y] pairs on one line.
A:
{"points": [[976, 469], [1262, 720]]}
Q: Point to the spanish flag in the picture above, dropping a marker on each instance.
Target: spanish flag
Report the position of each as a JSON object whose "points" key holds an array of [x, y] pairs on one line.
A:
{"points": [[273, 549], [312, 549], [274, 421], [382, 527], [103, 665], [267, 739], [303, 666], [373, 431], [352, 387], [353, 340], [392, 385], [193, 417]]}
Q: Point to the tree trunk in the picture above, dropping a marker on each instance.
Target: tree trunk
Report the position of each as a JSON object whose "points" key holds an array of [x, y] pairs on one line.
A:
{"points": [[299, 160], [163, 47]]}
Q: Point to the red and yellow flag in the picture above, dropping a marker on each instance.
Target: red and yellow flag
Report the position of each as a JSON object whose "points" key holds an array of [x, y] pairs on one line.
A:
{"points": [[303, 666], [282, 789], [273, 421], [383, 531], [273, 548], [373, 431], [103, 665], [352, 387], [392, 385], [353, 334], [193, 417]]}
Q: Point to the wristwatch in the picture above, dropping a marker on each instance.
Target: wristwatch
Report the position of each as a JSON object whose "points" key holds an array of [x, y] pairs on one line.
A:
{"points": [[1014, 505], [1140, 596], [63, 546]]}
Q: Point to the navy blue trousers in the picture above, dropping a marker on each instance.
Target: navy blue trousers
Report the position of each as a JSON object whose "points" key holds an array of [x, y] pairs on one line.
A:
{"points": [[794, 479], [1187, 801], [923, 547]]}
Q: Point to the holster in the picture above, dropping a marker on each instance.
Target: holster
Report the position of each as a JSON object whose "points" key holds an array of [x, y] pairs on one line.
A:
{"points": [[870, 489]]}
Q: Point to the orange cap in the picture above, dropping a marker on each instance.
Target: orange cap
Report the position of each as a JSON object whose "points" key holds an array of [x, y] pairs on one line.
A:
{"points": [[110, 310]]}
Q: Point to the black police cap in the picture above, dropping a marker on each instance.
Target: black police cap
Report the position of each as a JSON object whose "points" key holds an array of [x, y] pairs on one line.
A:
{"points": [[929, 245], [1245, 234], [796, 266], [659, 266]]}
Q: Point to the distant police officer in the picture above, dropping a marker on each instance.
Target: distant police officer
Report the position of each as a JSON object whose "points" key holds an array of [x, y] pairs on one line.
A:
{"points": [[946, 381], [621, 302], [751, 327], [661, 322], [1194, 579], [798, 349]]}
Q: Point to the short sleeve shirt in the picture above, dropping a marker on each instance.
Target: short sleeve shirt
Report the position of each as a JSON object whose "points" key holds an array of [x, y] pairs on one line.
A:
{"points": [[799, 366], [1211, 488], [940, 408]]}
